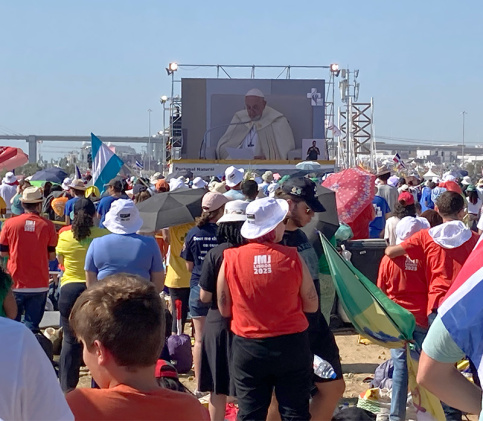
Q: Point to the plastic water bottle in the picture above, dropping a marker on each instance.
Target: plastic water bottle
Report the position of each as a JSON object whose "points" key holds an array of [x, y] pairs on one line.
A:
{"points": [[346, 254], [323, 369]]}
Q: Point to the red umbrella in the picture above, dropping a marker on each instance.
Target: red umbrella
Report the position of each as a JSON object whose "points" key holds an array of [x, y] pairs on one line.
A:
{"points": [[354, 190], [11, 158]]}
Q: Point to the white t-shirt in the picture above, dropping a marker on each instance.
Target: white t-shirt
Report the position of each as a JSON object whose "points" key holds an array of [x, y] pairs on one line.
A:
{"points": [[29, 389], [475, 209], [390, 230], [8, 192]]}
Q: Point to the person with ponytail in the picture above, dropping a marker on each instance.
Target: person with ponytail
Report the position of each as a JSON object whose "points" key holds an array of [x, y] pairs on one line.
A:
{"points": [[71, 252], [199, 240]]}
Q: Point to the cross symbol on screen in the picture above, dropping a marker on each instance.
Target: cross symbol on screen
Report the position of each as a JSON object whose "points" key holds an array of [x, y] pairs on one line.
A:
{"points": [[315, 98]]}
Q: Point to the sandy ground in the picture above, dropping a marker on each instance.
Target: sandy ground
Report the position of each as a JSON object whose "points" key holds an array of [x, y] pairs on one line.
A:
{"points": [[358, 363]]}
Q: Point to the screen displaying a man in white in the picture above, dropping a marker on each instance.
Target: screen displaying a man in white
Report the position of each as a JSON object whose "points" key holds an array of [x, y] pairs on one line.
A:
{"points": [[258, 130]]}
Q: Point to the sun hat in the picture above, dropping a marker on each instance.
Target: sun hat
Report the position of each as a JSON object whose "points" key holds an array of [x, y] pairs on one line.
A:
{"points": [[9, 178], [32, 195], [263, 215], [235, 210], [408, 226], [233, 176], [267, 176], [176, 184], [123, 217], [304, 189], [406, 198], [66, 183], [466, 181], [383, 169], [212, 201], [77, 184], [199, 183], [218, 187]]}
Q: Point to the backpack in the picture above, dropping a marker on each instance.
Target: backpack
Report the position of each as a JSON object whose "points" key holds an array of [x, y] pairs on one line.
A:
{"points": [[179, 346]]}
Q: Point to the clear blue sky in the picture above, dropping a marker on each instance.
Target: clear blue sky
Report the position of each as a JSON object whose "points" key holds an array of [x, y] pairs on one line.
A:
{"points": [[75, 67]]}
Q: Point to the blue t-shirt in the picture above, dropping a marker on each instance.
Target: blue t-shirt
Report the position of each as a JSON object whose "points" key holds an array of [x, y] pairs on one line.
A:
{"points": [[131, 253], [426, 201], [197, 244], [69, 206], [381, 208], [234, 195]]}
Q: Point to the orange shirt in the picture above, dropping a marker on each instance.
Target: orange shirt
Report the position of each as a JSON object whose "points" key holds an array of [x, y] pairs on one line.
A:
{"points": [[28, 238], [264, 282], [403, 281], [441, 265], [125, 403]]}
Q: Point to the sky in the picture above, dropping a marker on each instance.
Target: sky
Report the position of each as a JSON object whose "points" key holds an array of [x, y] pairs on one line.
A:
{"points": [[72, 68]]}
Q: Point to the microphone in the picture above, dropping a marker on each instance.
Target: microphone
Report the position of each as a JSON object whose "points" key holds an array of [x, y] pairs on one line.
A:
{"points": [[202, 154]]}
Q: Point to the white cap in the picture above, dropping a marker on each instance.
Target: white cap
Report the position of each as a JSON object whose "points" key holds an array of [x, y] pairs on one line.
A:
{"points": [[255, 92], [466, 180], [199, 183], [233, 176], [66, 183], [408, 226], [123, 217], [263, 215], [235, 210]]}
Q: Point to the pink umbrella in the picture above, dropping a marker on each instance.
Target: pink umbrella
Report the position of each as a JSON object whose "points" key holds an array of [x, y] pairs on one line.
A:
{"points": [[354, 190], [11, 158]]}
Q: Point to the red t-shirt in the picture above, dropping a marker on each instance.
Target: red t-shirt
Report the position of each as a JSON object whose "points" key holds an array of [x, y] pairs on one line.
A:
{"points": [[360, 226], [27, 238], [125, 403], [403, 281], [264, 282], [441, 265]]}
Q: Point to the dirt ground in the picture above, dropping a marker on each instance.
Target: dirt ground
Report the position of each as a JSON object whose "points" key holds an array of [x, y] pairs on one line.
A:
{"points": [[358, 363]]}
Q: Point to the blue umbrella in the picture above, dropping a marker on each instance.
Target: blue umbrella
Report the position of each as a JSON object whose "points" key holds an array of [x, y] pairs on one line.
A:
{"points": [[54, 175]]}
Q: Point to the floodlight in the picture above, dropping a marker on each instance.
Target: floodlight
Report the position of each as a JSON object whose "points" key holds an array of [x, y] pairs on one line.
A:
{"points": [[173, 66], [163, 99], [334, 68]]}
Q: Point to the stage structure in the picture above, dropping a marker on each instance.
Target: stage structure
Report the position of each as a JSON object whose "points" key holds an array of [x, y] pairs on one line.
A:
{"points": [[355, 125], [194, 135]]}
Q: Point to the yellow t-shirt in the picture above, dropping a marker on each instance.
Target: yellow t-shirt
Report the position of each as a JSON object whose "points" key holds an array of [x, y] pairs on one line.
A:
{"points": [[177, 276], [74, 253]]}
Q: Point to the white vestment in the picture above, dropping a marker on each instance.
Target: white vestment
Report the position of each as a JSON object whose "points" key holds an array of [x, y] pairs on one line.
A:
{"points": [[275, 137]]}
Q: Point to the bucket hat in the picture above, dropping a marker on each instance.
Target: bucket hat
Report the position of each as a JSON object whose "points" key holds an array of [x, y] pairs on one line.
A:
{"points": [[123, 217], [263, 215], [199, 183], [234, 176], [66, 183], [9, 178]]}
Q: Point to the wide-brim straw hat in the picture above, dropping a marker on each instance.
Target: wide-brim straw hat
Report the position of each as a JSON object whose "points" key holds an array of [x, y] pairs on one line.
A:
{"points": [[32, 195]]}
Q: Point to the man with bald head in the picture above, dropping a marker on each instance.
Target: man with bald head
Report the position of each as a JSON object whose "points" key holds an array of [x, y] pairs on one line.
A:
{"points": [[258, 128]]}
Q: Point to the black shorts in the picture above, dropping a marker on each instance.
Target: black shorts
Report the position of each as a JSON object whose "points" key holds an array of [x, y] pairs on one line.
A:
{"points": [[322, 343]]}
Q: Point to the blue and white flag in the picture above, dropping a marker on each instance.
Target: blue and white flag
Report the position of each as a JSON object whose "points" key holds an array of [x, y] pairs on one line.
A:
{"points": [[139, 165], [397, 159], [78, 175], [105, 163]]}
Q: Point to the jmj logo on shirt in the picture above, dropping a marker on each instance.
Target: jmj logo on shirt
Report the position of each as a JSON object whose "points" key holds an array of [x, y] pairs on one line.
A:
{"points": [[29, 226], [262, 264]]}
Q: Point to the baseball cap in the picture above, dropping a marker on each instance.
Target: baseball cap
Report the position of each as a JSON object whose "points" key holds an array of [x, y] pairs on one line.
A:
{"points": [[84, 204], [263, 215], [115, 183], [233, 176], [306, 190], [213, 201], [408, 226], [165, 369], [235, 210], [406, 198]]}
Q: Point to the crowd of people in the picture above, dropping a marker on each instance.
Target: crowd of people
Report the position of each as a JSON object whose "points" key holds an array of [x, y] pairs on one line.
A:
{"points": [[258, 293]]}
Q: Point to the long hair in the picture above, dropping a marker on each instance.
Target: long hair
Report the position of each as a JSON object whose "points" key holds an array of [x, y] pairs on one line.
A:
{"points": [[401, 211], [82, 224], [472, 196], [206, 217], [229, 232]]}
